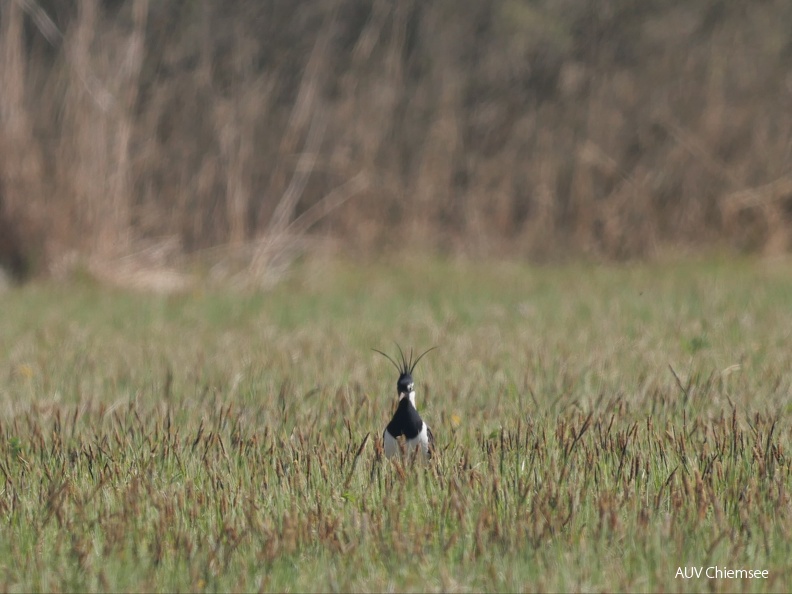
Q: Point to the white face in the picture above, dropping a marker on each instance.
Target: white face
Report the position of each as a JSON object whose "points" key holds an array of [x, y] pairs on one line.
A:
{"points": [[409, 392]]}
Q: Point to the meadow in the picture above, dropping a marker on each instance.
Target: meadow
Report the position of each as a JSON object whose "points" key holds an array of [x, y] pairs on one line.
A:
{"points": [[598, 427]]}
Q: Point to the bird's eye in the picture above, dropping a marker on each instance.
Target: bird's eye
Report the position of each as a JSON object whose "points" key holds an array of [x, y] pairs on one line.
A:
{"points": [[410, 388]]}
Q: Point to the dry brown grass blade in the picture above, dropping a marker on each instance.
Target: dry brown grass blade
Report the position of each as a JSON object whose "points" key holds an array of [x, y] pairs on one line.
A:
{"points": [[355, 460], [43, 22]]}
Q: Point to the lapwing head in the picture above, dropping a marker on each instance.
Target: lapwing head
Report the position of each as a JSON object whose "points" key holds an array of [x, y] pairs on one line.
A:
{"points": [[405, 386]]}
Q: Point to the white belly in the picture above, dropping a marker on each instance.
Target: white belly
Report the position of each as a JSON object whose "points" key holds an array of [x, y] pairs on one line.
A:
{"points": [[393, 446]]}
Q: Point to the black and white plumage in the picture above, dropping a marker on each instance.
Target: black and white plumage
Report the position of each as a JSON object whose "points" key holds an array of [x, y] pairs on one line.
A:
{"points": [[407, 430]]}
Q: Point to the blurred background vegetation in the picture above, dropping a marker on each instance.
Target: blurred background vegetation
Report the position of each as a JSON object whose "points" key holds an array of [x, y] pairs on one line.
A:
{"points": [[156, 131]]}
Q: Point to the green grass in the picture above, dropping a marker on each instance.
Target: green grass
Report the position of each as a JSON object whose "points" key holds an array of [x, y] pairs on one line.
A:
{"points": [[232, 442]]}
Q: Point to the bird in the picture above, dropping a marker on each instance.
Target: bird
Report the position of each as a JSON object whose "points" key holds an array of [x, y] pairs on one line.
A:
{"points": [[406, 421]]}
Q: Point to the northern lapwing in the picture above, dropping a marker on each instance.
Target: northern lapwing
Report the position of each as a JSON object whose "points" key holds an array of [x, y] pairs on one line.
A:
{"points": [[407, 430]]}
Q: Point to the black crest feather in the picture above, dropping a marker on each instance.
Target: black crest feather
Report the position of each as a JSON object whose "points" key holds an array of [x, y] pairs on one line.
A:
{"points": [[407, 365]]}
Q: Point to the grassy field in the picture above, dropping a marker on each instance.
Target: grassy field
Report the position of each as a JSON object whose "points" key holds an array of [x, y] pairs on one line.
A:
{"points": [[598, 427]]}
